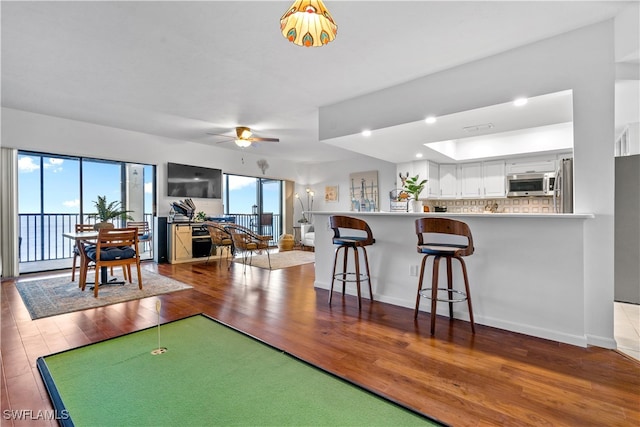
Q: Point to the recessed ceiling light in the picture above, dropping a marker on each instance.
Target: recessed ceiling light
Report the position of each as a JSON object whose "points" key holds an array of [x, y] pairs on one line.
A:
{"points": [[419, 155], [366, 132], [430, 119], [519, 102]]}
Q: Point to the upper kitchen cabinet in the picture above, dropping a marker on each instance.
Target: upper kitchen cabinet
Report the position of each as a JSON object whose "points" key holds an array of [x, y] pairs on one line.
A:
{"points": [[531, 165], [425, 170], [433, 185], [429, 171], [470, 179], [481, 180], [448, 181], [494, 178]]}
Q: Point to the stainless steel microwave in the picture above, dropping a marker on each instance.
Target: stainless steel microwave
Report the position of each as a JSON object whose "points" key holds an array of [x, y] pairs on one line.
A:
{"points": [[530, 184]]}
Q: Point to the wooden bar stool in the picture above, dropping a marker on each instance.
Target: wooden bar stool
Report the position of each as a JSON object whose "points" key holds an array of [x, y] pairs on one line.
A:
{"points": [[359, 236], [440, 244]]}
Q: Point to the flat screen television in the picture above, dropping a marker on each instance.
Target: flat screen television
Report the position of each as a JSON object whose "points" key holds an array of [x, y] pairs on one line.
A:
{"points": [[193, 181]]}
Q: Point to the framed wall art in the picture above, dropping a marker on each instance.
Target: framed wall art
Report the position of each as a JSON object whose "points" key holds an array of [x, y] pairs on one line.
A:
{"points": [[364, 191], [331, 193]]}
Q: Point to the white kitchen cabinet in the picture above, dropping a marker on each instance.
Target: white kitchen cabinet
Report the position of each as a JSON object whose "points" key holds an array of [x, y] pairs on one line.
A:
{"points": [[494, 178], [531, 165], [429, 171], [433, 185], [448, 181], [470, 179]]}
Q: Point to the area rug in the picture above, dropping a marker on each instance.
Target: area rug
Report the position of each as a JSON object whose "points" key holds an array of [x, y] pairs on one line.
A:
{"points": [[58, 295], [281, 259]]}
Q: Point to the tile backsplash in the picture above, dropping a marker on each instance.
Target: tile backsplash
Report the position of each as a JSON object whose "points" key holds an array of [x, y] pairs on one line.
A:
{"points": [[510, 205]]}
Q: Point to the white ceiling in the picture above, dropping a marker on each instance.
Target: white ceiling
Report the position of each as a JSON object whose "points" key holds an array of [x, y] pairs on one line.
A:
{"points": [[183, 69], [409, 138]]}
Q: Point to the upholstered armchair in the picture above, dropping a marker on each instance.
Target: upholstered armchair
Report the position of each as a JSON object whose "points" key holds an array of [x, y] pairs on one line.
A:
{"points": [[307, 235]]}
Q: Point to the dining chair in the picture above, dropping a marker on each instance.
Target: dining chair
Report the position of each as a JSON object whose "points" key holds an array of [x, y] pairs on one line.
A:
{"points": [[113, 247], [79, 228], [144, 231]]}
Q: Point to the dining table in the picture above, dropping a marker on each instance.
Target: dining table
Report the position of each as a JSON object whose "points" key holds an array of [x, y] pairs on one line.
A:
{"points": [[89, 237]]}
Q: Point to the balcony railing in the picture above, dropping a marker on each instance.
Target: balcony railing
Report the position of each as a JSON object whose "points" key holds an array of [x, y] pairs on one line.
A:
{"points": [[252, 222], [40, 236]]}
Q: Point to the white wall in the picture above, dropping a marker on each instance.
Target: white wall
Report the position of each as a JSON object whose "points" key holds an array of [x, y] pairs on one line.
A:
{"points": [[627, 33], [319, 175], [581, 60], [47, 134]]}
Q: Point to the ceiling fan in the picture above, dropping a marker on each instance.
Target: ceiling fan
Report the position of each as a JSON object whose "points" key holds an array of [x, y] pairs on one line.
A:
{"points": [[243, 138]]}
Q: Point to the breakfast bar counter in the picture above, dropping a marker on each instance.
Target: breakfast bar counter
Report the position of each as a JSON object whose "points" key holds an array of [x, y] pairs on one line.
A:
{"points": [[526, 275]]}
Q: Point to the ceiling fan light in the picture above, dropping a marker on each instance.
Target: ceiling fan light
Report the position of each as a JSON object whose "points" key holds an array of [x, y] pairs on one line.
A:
{"points": [[243, 132], [308, 23], [242, 143]]}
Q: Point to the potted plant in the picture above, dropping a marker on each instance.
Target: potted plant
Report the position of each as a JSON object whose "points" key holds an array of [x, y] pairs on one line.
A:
{"points": [[108, 211], [414, 187]]}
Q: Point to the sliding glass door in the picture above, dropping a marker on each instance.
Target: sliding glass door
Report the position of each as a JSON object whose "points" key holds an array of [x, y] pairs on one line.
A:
{"points": [[256, 203], [48, 204], [57, 192], [101, 178]]}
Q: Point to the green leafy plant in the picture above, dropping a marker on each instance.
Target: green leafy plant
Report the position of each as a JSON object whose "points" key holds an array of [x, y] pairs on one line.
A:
{"points": [[414, 187], [107, 211], [201, 216]]}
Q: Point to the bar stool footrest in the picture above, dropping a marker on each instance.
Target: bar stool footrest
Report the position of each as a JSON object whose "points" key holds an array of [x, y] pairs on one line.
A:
{"points": [[426, 293], [350, 277]]}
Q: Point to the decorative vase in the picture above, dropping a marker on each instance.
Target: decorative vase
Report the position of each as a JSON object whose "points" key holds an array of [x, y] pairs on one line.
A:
{"points": [[286, 242], [416, 205]]}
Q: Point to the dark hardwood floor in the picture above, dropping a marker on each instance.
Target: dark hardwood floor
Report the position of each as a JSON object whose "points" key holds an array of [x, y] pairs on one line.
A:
{"points": [[493, 378]]}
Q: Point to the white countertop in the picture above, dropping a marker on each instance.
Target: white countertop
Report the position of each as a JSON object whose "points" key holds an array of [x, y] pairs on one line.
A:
{"points": [[461, 215]]}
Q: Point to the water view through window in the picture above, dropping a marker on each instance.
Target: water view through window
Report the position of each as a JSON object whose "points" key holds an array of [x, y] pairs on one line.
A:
{"points": [[246, 195], [57, 192]]}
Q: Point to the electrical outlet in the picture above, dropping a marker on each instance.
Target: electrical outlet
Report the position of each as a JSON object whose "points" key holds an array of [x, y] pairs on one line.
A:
{"points": [[413, 271]]}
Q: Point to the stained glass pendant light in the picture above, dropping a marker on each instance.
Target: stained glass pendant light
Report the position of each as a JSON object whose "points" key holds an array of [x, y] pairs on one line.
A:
{"points": [[308, 23]]}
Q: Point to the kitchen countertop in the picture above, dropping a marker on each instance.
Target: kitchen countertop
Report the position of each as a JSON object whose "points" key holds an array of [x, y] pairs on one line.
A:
{"points": [[461, 215]]}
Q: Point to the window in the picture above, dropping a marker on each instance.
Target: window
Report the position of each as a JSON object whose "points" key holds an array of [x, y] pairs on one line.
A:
{"points": [[57, 192], [248, 198]]}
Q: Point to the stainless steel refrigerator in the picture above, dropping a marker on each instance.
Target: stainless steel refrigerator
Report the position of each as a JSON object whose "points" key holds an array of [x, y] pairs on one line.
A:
{"points": [[627, 230], [563, 187]]}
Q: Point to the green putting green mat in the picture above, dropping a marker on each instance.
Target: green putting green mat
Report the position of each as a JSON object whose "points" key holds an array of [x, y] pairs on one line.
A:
{"points": [[210, 374]]}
